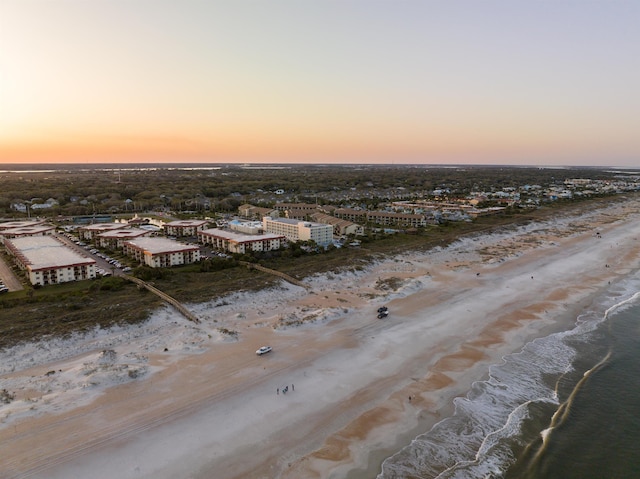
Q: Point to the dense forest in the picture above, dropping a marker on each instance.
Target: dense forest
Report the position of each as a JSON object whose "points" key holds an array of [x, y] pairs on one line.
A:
{"points": [[100, 189]]}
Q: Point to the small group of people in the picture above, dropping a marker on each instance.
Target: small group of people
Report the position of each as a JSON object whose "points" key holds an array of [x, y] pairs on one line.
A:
{"points": [[285, 389]]}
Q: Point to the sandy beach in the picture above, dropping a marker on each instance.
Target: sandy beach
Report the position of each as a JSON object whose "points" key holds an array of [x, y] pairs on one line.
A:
{"points": [[174, 399]]}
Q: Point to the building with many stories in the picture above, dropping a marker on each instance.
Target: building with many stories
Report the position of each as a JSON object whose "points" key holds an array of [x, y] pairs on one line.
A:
{"points": [[295, 230]]}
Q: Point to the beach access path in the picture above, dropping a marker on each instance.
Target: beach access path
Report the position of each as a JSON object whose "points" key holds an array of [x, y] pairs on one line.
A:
{"points": [[359, 387]]}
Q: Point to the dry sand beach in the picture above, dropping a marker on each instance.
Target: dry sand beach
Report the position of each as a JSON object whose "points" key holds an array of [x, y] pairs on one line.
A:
{"points": [[171, 399]]}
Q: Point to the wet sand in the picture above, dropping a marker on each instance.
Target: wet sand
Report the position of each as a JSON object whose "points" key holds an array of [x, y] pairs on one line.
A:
{"points": [[364, 387]]}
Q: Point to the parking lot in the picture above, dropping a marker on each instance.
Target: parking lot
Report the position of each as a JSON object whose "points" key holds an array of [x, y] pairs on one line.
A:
{"points": [[104, 264], [8, 278]]}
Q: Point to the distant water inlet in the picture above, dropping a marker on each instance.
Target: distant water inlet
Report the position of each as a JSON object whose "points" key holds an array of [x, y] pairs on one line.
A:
{"points": [[566, 406]]}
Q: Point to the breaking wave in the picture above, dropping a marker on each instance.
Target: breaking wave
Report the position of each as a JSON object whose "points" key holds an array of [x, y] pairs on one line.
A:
{"points": [[494, 419]]}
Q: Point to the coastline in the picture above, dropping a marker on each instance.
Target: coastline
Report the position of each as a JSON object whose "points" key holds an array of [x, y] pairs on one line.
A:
{"points": [[209, 404]]}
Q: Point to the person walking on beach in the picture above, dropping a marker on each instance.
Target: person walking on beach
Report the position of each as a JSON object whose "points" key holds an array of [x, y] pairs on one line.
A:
{"points": [[293, 388], [278, 391]]}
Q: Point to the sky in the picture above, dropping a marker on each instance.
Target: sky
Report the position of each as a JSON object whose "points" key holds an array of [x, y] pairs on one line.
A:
{"points": [[523, 82]]}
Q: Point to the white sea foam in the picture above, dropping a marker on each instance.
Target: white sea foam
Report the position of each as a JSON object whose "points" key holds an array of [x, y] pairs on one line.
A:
{"points": [[476, 442]]}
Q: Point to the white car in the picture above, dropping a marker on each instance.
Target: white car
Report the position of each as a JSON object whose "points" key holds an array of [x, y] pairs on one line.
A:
{"points": [[263, 350]]}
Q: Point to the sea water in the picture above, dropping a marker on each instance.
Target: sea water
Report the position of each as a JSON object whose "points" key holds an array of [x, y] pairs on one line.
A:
{"points": [[566, 406]]}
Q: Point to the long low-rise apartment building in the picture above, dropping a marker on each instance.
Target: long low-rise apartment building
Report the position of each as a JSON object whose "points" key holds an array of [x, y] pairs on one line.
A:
{"points": [[381, 217], [253, 212], [90, 232], [340, 227], [184, 227], [161, 252], [40, 229], [402, 219], [49, 261], [359, 216], [114, 239], [230, 241], [20, 223], [295, 230]]}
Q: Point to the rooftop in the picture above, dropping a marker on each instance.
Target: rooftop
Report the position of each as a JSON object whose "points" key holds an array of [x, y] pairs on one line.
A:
{"points": [[27, 230], [186, 223], [20, 224], [45, 252], [103, 226], [239, 237], [123, 233], [160, 245]]}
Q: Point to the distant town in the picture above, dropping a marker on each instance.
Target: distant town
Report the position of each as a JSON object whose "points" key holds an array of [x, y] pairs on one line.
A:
{"points": [[68, 224]]}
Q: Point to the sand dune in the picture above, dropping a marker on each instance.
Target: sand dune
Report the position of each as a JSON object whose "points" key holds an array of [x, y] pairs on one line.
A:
{"points": [[172, 399]]}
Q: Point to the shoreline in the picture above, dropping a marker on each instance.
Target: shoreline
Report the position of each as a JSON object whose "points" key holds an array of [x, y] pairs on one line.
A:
{"points": [[459, 310]]}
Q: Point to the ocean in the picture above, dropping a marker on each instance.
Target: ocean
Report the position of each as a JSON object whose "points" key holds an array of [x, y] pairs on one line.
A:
{"points": [[566, 406]]}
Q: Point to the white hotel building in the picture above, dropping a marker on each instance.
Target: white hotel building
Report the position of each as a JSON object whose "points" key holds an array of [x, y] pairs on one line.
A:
{"points": [[49, 261], [296, 230]]}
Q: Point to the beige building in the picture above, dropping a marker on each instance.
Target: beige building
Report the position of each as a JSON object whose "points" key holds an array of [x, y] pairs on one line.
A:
{"points": [[39, 229], [381, 217], [90, 232], [184, 227], [256, 212], [308, 207], [49, 261], [359, 216], [399, 219], [240, 243], [161, 252], [114, 239], [340, 227]]}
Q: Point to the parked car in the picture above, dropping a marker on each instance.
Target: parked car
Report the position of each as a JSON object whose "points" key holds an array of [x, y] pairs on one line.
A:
{"points": [[263, 350]]}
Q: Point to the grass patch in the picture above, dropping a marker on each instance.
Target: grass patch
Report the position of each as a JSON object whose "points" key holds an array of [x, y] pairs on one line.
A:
{"points": [[60, 310]]}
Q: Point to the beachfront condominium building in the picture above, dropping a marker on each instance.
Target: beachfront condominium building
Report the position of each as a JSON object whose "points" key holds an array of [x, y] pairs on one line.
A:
{"points": [[184, 227], [114, 239], [40, 229], [161, 252], [15, 229], [89, 232], [47, 260], [340, 227], [233, 242], [295, 230]]}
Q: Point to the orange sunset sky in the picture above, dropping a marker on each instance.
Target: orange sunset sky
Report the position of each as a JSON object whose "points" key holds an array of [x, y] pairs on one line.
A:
{"points": [[371, 81]]}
